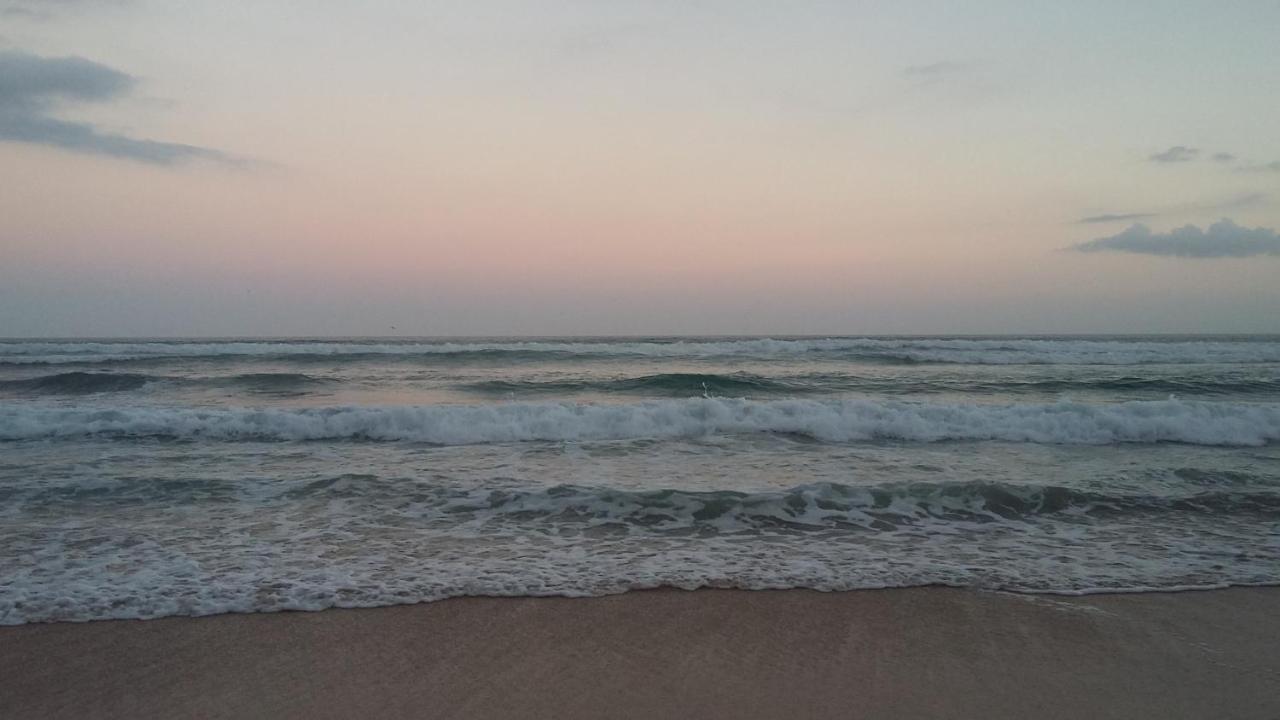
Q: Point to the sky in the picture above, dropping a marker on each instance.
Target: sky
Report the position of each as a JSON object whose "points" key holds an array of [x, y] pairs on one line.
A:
{"points": [[621, 167]]}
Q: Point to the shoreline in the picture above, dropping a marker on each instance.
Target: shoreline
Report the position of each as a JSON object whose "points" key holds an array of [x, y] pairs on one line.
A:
{"points": [[1013, 592], [913, 652]]}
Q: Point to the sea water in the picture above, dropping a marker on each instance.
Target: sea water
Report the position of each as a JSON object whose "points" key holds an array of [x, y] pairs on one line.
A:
{"points": [[146, 478]]}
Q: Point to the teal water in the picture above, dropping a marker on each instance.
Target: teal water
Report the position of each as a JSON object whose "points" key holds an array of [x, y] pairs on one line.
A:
{"points": [[148, 478]]}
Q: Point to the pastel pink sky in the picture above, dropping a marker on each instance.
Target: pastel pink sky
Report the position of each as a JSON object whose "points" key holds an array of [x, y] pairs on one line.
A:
{"points": [[633, 167]]}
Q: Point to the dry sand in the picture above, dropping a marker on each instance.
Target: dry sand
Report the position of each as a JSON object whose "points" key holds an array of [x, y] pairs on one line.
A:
{"points": [[919, 653]]}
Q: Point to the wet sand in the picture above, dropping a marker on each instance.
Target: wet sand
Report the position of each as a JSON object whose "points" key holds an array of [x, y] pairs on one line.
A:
{"points": [[917, 653]]}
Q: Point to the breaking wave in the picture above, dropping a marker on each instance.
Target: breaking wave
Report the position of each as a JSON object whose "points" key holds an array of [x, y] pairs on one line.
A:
{"points": [[383, 541], [1175, 421], [742, 384]]}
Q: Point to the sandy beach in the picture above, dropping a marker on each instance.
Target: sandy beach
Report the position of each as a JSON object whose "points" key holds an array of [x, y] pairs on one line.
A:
{"points": [[927, 652]]}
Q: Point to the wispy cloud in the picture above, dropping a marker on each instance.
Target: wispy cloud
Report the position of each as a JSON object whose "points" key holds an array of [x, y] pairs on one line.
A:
{"points": [[47, 9], [1177, 153], [942, 67], [1119, 217], [19, 11], [42, 10], [31, 86], [1273, 167], [937, 72], [1183, 153], [1223, 239], [1234, 202]]}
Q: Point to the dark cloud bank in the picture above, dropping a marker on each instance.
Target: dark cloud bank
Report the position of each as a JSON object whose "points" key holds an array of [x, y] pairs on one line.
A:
{"points": [[31, 87], [1223, 239]]}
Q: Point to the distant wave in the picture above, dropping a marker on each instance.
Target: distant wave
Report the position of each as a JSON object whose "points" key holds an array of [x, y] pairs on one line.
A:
{"points": [[77, 383], [85, 383], [742, 384], [678, 385], [1178, 385], [666, 384], [872, 350], [1198, 423], [1206, 384], [268, 383]]}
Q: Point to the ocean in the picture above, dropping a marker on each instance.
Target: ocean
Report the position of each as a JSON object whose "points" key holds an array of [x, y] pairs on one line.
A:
{"points": [[148, 478]]}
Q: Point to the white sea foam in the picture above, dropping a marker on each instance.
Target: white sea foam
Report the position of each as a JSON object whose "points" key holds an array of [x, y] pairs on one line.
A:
{"points": [[1197, 423], [208, 558], [941, 350]]}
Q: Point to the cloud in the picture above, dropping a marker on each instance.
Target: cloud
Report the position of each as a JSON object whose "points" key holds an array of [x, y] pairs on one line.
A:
{"points": [[1115, 218], [1223, 239], [937, 70], [1177, 153], [1234, 202], [1265, 167], [30, 80], [83, 137], [1224, 157], [18, 11], [41, 10], [31, 86]]}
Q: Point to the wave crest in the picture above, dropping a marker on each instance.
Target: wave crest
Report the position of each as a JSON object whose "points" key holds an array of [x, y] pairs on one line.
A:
{"points": [[78, 383], [1198, 423], [668, 384]]}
